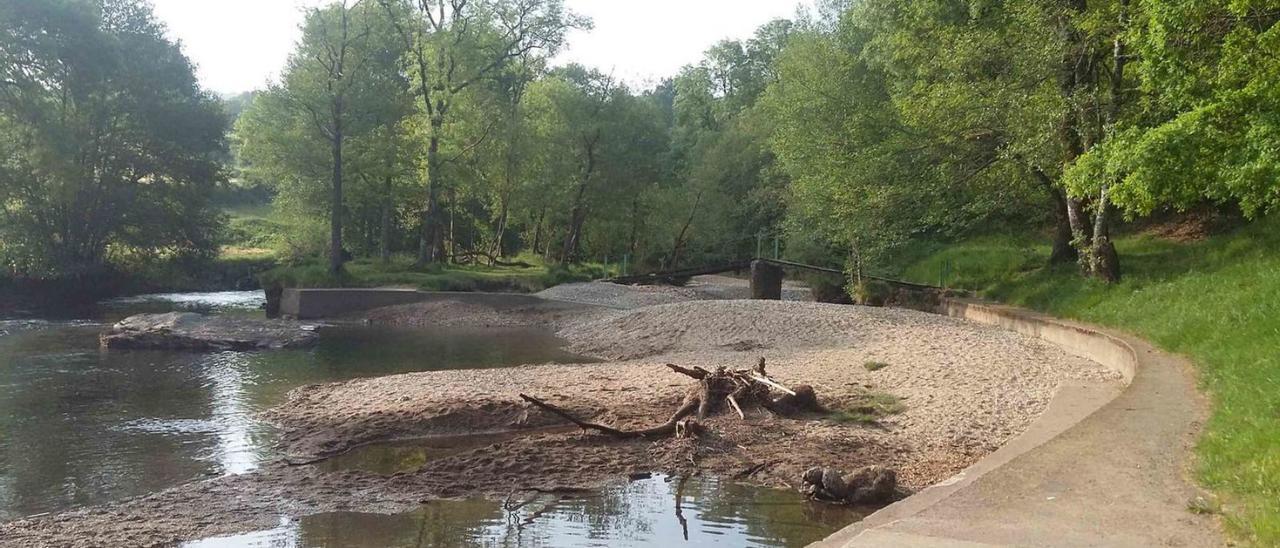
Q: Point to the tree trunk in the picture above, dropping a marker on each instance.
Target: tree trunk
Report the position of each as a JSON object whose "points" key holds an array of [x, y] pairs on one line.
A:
{"points": [[1063, 252], [1075, 72], [684, 231], [577, 218], [335, 212], [578, 215], [453, 210], [636, 221], [384, 228], [431, 246], [1105, 262], [498, 250], [537, 231]]}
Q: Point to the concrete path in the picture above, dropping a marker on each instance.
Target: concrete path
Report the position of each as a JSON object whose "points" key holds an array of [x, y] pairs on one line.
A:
{"points": [[1098, 469]]}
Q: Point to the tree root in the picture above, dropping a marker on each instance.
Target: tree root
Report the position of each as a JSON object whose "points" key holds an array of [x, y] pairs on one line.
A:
{"points": [[737, 389]]}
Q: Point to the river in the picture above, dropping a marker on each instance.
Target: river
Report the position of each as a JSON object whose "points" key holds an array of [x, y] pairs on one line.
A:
{"points": [[83, 426]]}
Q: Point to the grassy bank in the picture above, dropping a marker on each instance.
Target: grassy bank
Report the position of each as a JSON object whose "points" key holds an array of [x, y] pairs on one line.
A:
{"points": [[400, 272], [1216, 300]]}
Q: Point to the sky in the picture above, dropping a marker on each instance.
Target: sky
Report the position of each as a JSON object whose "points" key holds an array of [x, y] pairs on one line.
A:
{"points": [[239, 45]]}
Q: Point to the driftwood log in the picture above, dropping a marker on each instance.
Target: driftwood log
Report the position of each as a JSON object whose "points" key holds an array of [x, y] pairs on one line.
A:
{"points": [[724, 389]]}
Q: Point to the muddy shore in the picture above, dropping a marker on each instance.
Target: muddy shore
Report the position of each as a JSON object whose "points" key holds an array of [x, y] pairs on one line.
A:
{"points": [[964, 390]]}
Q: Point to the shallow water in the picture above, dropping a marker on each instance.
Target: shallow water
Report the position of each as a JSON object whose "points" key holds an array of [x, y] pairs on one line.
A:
{"points": [[649, 512], [82, 426]]}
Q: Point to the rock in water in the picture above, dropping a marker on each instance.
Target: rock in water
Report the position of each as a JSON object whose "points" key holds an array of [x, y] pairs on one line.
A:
{"points": [[190, 331], [867, 485], [871, 485]]}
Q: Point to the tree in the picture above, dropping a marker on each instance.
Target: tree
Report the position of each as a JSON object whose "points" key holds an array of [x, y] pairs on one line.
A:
{"points": [[108, 146], [1206, 87], [319, 80], [454, 44], [341, 92]]}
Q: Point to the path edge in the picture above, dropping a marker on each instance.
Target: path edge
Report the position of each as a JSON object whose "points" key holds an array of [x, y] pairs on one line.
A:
{"points": [[1127, 355]]}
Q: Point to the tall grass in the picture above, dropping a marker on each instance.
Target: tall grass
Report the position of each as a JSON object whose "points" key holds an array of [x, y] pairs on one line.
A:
{"points": [[1217, 301]]}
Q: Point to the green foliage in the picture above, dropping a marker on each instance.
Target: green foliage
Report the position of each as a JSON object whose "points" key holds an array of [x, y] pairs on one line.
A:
{"points": [[254, 233], [913, 118], [872, 293], [1208, 127], [1217, 301], [108, 148]]}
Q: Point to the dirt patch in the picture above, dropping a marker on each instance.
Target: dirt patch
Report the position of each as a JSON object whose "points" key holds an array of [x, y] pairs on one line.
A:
{"points": [[965, 390], [1192, 226]]}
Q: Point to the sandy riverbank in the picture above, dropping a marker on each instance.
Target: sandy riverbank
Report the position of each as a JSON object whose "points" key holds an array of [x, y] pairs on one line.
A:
{"points": [[966, 389]]}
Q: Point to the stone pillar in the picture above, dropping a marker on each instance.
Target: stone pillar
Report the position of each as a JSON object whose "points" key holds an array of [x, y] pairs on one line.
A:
{"points": [[766, 281], [274, 293]]}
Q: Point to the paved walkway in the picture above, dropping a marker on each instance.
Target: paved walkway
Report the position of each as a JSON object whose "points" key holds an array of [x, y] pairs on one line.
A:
{"points": [[1098, 469]]}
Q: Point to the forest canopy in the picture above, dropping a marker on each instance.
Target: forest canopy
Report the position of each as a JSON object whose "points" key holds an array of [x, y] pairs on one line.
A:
{"points": [[445, 131]]}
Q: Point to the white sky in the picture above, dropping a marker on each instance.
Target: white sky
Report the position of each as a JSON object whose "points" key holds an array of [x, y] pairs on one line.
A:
{"points": [[239, 45]]}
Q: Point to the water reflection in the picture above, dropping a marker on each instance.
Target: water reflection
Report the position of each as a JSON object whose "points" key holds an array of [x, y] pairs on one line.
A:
{"points": [[660, 510], [81, 426]]}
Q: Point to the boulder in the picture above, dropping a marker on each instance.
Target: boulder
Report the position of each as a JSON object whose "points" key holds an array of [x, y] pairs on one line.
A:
{"points": [[191, 331]]}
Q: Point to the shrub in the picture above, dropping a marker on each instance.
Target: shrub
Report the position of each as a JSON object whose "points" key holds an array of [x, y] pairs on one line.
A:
{"points": [[872, 293]]}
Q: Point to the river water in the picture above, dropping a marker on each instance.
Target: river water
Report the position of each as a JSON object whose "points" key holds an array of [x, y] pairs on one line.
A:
{"points": [[83, 426]]}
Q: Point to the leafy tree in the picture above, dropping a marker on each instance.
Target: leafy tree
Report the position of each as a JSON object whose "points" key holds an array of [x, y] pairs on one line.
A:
{"points": [[453, 45], [108, 146], [1208, 88], [342, 93]]}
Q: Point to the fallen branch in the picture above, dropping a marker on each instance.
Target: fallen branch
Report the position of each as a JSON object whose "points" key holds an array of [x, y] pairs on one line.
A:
{"points": [[775, 384], [695, 372], [665, 429]]}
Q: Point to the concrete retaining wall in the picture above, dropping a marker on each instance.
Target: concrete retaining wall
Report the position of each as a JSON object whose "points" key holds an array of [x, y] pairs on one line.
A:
{"points": [[1078, 339], [1100, 467]]}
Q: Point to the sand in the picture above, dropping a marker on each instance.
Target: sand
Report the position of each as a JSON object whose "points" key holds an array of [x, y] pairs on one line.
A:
{"points": [[966, 388]]}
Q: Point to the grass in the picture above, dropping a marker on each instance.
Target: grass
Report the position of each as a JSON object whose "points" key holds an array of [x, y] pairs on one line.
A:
{"points": [[401, 272], [1217, 301], [868, 408], [875, 366]]}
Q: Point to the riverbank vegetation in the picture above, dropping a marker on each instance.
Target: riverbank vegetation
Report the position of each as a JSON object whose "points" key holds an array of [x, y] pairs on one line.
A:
{"points": [[445, 131], [1215, 299], [519, 276]]}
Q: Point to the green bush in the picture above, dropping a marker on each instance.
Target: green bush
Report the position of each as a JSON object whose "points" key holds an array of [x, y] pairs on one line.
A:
{"points": [[872, 293], [252, 232], [828, 288]]}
